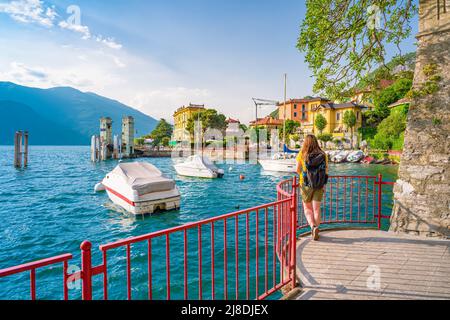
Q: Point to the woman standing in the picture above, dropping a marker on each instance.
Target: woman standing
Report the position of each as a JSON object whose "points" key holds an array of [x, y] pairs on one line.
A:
{"points": [[312, 167]]}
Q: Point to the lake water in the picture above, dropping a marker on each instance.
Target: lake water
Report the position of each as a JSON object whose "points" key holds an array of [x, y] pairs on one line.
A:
{"points": [[50, 207]]}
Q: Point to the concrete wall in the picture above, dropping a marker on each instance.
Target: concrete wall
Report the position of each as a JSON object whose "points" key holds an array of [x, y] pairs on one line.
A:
{"points": [[422, 193]]}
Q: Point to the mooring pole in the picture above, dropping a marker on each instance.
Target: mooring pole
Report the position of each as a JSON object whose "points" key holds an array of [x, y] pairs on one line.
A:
{"points": [[18, 149], [25, 149]]}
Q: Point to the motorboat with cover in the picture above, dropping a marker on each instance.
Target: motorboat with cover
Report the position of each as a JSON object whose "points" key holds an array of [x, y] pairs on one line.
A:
{"points": [[340, 156], [197, 166], [355, 156], [140, 188], [280, 162]]}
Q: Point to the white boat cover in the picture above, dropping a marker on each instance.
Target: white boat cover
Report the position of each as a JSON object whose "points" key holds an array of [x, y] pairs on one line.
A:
{"points": [[143, 177], [199, 162]]}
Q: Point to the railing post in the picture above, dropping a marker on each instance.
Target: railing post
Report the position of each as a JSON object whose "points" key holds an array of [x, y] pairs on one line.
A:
{"points": [[294, 233], [86, 270], [380, 180]]}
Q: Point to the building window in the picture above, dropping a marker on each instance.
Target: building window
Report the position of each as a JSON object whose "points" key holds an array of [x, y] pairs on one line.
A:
{"points": [[295, 107], [303, 108], [357, 115], [295, 114], [338, 116]]}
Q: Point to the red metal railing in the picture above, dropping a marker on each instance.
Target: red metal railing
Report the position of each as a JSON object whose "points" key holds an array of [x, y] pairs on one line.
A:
{"points": [[348, 201], [33, 266], [247, 254]]}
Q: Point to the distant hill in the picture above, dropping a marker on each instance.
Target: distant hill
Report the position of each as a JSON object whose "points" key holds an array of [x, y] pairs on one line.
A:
{"points": [[61, 116]]}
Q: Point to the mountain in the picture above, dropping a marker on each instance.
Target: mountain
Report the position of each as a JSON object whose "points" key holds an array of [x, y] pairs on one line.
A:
{"points": [[62, 115]]}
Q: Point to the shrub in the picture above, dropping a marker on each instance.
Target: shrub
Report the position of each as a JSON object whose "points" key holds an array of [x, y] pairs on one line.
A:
{"points": [[325, 137]]}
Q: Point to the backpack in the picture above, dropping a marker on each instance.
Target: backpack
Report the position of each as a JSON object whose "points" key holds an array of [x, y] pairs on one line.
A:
{"points": [[316, 175]]}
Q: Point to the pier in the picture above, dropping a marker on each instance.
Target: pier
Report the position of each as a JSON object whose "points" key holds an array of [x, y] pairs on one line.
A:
{"points": [[372, 264]]}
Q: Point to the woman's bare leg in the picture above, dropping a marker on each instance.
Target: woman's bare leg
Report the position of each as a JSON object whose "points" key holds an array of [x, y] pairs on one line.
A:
{"points": [[309, 213], [317, 213]]}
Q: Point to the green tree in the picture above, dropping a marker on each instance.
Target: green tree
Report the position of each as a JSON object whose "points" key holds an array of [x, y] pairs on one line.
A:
{"points": [[350, 122], [291, 128], [209, 118], [320, 123], [162, 130], [343, 41], [391, 130]]}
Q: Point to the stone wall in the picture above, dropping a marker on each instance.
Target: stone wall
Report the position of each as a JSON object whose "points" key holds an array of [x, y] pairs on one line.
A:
{"points": [[422, 193]]}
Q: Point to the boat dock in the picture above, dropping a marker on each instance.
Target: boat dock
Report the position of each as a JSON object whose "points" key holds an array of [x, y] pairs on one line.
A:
{"points": [[372, 264]]}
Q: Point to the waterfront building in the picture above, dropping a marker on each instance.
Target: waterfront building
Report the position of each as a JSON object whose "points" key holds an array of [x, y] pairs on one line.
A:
{"points": [[306, 110], [267, 123], [334, 114], [181, 118], [299, 109]]}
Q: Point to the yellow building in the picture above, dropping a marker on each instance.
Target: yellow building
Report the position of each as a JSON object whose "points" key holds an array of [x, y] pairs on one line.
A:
{"points": [[181, 118], [334, 114], [305, 111]]}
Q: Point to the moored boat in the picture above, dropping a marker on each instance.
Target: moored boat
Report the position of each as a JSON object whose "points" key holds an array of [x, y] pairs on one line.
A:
{"points": [[355, 156], [280, 162], [200, 167], [340, 157], [140, 188]]}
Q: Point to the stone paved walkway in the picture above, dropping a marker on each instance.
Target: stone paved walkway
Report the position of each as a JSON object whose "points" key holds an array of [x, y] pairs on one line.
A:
{"points": [[369, 264]]}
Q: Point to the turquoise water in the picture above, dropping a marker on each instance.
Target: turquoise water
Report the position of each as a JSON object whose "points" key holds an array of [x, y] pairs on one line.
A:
{"points": [[50, 208]]}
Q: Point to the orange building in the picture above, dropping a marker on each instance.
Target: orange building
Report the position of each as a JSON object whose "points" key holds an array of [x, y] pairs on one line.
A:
{"points": [[299, 109]]}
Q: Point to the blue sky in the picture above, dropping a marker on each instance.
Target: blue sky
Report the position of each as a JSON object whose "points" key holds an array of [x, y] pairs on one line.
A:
{"points": [[158, 55]]}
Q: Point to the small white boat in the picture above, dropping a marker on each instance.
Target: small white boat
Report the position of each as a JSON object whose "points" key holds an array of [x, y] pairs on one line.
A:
{"points": [[280, 162], [355, 156], [197, 166], [140, 188], [340, 156]]}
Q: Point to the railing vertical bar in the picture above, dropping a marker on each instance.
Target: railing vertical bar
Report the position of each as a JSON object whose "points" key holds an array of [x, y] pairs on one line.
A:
{"points": [[225, 259], [337, 197], [236, 240], [351, 199], [185, 247], [367, 200], [345, 199], [105, 275], [66, 291], [149, 269], [274, 262], [129, 272], [380, 179], [200, 293], [168, 265], [247, 254], [359, 200], [257, 253], [33, 284], [213, 288], [266, 251], [374, 200], [330, 217]]}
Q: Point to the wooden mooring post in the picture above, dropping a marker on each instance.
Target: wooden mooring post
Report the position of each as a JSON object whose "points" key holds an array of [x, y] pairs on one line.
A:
{"points": [[19, 138]]}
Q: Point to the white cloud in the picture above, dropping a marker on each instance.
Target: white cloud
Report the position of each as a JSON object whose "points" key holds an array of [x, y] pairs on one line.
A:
{"points": [[19, 72], [30, 11], [161, 103], [83, 30], [109, 42]]}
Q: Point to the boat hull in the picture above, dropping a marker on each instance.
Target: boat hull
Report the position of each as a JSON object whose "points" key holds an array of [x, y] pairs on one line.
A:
{"points": [[165, 201], [193, 172], [284, 165]]}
